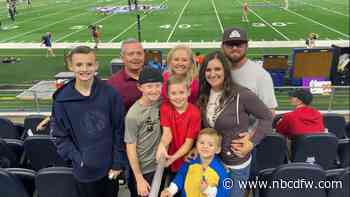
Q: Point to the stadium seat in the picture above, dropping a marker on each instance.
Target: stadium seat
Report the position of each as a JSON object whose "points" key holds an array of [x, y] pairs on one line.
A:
{"points": [[11, 186], [316, 148], [277, 178], [40, 152], [56, 182], [16, 147], [26, 176], [8, 129], [335, 123], [19, 127], [270, 153], [339, 176], [344, 152], [31, 122], [8, 158], [347, 129]]}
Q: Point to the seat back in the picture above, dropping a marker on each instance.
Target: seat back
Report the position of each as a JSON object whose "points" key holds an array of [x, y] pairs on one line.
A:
{"points": [[8, 129], [289, 180], [56, 182], [7, 157], [272, 144], [16, 146], [335, 124], [344, 152], [26, 176], [31, 122], [11, 186], [40, 152], [340, 180], [316, 148]]}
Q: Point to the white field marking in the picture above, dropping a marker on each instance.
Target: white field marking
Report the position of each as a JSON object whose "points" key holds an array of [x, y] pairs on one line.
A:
{"points": [[54, 7], [328, 10], [217, 16], [42, 27], [63, 11], [267, 23], [132, 25], [336, 3], [79, 30], [323, 25], [168, 45], [178, 20]]}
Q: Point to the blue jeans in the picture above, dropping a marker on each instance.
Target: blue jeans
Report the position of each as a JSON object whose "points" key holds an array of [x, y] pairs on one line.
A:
{"points": [[237, 176]]}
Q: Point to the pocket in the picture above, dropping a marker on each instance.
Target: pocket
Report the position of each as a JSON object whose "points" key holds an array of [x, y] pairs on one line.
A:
{"points": [[98, 155]]}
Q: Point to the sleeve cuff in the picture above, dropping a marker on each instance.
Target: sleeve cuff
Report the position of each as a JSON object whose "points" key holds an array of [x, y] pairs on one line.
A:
{"points": [[173, 188], [210, 191]]}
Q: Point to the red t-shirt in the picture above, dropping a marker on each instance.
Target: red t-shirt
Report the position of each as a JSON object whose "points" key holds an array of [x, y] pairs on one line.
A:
{"points": [[194, 86], [184, 125]]}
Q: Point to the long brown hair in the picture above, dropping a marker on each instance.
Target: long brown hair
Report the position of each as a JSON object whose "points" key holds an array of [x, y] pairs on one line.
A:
{"points": [[230, 88]]}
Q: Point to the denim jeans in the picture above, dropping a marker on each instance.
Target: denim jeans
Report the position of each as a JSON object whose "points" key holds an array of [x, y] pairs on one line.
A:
{"points": [[240, 175]]}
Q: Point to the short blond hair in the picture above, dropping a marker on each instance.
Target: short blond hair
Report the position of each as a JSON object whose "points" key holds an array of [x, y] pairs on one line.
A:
{"points": [[212, 133], [173, 80]]}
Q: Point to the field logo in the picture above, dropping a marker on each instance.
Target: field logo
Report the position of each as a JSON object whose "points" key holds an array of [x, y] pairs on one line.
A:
{"points": [[126, 9], [275, 24]]}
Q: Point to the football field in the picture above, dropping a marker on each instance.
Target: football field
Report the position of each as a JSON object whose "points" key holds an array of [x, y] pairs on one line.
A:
{"points": [[175, 20]]}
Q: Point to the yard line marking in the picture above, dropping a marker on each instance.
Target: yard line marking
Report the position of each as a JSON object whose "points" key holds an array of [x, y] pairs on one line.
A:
{"points": [[178, 20], [63, 11], [79, 30], [217, 16], [312, 20], [329, 10], [54, 8], [132, 25], [49, 25], [267, 23]]}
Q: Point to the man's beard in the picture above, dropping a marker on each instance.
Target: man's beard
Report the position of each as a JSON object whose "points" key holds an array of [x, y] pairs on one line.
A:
{"points": [[236, 60]]}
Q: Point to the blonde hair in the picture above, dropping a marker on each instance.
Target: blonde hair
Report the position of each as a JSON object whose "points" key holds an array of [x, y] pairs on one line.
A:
{"points": [[212, 133], [172, 81], [193, 72]]}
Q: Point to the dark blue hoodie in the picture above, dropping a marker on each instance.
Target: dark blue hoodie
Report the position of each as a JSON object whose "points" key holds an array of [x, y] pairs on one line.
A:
{"points": [[89, 129]]}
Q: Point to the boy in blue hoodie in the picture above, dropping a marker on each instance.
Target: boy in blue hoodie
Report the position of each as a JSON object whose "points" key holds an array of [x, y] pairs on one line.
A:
{"points": [[87, 122], [204, 176]]}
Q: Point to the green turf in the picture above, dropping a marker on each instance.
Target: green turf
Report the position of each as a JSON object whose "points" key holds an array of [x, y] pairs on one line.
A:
{"points": [[34, 64], [183, 20]]}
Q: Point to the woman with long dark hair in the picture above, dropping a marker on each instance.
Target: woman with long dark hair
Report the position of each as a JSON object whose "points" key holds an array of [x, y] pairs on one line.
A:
{"points": [[226, 107]]}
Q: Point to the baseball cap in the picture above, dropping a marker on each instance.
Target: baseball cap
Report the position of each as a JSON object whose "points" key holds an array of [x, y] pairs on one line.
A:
{"points": [[234, 34], [150, 75], [304, 95]]}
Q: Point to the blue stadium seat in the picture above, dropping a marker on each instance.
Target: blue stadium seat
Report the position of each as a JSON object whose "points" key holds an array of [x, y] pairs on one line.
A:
{"points": [[8, 158], [292, 172], [316, 148], [8, 129], [335, 123], [26, 176], [56, 182], [270, 153], [341, 182], [40, 152], [344, 152], [11, 186], [31, 122]]}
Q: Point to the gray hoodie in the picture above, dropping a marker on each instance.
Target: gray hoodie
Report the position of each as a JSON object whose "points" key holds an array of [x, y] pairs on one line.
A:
{"points": [[234, 119]]}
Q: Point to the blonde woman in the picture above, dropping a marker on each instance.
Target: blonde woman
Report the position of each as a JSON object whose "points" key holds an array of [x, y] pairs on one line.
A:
{"points": [[181, 65]]}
